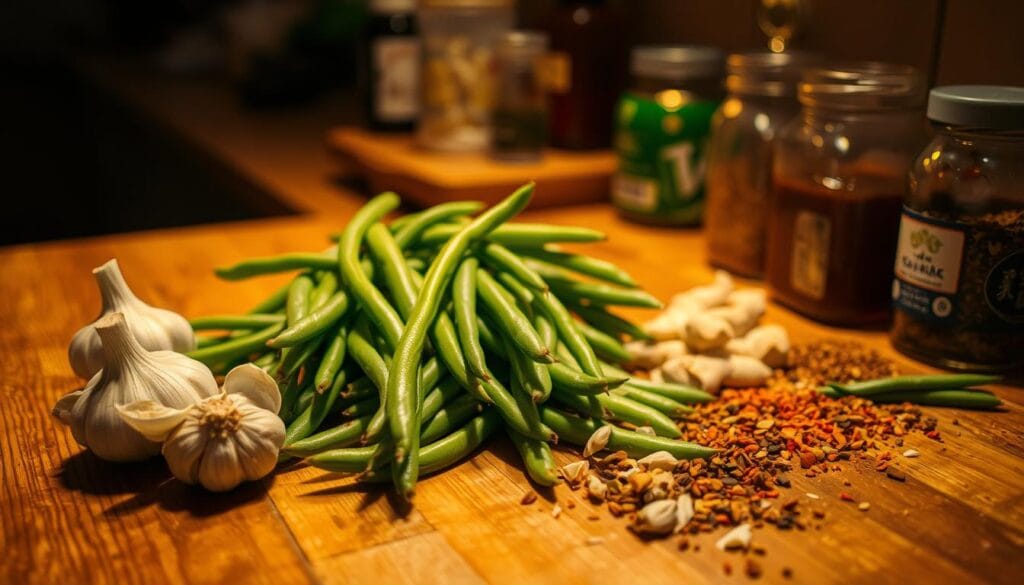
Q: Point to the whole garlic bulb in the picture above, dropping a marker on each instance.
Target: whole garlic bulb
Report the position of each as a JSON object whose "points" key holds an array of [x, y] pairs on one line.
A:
{"points": [[131, 374], [156, 329], [225, 439]]}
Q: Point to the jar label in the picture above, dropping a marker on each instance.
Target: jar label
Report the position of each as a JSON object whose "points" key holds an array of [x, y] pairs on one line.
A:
{"points": [[928, 260], [1004, 288], [661, 142], [808, 269], [396, 67]]}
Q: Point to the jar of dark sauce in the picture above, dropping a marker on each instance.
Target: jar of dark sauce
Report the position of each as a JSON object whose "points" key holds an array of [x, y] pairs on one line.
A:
{"points": [[838, 180]]}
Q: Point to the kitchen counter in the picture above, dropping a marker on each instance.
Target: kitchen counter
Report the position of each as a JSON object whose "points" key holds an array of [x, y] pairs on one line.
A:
{"points": [[68, 517]]}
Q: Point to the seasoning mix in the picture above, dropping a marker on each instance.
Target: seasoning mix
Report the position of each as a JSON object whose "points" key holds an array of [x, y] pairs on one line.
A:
{"points": [[959, 287]]}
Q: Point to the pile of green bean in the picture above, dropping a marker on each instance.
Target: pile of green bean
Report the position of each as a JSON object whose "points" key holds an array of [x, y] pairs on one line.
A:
{"points": [[951, 390], [405, 346]]}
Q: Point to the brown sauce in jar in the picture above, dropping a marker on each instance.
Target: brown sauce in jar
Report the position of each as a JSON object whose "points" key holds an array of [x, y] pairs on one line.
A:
{"points": [[830, 252]]}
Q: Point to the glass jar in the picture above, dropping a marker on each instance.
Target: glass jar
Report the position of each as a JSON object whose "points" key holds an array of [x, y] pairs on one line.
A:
{"points": [[661, 134], [761, 99], [458, 71], [520, 116], [392, 65], [838, 181], [958, 295]]}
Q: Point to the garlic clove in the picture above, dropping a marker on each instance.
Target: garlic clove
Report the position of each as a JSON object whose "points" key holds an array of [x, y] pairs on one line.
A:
{"points": [[184, 449], [153, 420], [598, 441], [219, 469], [155, 329], [258, 441], [62, 410], [254, 383]]}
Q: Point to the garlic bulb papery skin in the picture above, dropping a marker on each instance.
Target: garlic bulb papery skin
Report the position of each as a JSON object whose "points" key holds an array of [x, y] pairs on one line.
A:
{"points": [[222, 441], [156, 329], [131, 374]]}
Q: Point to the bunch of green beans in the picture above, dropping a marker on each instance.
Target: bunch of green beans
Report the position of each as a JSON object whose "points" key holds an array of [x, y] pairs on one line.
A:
{"points": [[951, 390], [401, 349]]}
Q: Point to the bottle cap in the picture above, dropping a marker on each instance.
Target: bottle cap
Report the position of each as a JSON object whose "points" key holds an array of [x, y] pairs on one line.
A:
{"points": [[979, 106]]}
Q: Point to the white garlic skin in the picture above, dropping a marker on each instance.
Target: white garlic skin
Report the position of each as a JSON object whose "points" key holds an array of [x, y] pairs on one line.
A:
{"points": [[131, 374], [198, 452], [155, 329]]}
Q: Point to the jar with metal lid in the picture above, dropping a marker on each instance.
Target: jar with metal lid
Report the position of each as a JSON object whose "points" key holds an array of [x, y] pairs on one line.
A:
{"points": [[520, 116], [761, 99], [838, 181], [459, 37], [661, 133], [958, 294]]}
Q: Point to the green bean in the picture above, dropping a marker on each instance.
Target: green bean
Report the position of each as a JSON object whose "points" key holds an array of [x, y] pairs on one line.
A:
{"points": [[369, 298], [403, 396], [577, 431], [501, 259], [305, 399], [404, 284], [266, 360], [589, 294], [275, 264], [533, 377], [678, 392], [253, 321], [605, 346], [290, 397], [464, 303], [293, 358], [525, 395], [609, 322], [272, 303], [953, 398], [509, 319], [362, 351], [332, 360], [314, 323], [451, 415], [235, 348], [914, 383], [546, 330], [298, 298], [203, 341], [361, 388], [430, 373], [450, 450], [537, 457], [408, 233], [582, 264], [639, 414], [326, 286], [575, 381], [664, 405], [323, 404], [517, 234], [340, 436], [579, 403], [362, 408]]}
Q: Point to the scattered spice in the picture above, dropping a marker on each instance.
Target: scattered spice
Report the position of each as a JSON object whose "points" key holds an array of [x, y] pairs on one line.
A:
{"points": [[864, 506], [911, 453], [556, 511], [894, 473], [813, 364], [753, 568], [528, 498]]}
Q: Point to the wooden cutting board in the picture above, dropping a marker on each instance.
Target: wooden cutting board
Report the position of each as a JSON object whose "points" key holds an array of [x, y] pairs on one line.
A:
{"points": [[394, 162], [66, 517]]}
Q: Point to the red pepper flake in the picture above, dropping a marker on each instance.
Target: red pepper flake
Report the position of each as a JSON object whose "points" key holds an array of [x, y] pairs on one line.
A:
{"points": [[846, 497], [934, 435], [528, 498]]}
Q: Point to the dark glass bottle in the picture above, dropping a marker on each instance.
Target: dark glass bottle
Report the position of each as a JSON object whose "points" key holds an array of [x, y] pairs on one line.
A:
{"points": [[590, 61], [392, 66]]}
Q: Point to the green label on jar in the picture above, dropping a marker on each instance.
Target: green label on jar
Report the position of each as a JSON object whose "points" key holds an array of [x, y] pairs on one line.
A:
{"points": [[661, 142]]}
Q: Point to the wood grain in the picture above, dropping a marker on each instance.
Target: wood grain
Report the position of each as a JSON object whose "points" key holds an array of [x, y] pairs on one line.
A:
{"points": [[67, 517]]}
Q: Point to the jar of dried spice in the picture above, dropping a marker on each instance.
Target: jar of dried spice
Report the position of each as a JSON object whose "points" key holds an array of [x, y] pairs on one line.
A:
{"points": [[762, 97], [958, 294]]}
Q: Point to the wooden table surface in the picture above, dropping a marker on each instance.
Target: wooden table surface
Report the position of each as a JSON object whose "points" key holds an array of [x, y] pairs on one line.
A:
{"points": [[66, 517]]}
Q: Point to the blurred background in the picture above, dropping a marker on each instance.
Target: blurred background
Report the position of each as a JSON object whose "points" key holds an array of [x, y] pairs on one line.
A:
{"points": [[119, 115]]}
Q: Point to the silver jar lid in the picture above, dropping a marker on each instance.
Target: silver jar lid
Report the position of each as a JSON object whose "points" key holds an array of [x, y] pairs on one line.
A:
{"points": [[676, 62], [768, 74], [980, 106]]}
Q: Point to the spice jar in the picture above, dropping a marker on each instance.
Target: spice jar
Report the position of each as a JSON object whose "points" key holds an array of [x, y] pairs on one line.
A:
{"points": [[838, 180], [661, 133], [458, 81], [761, 99], [520, 119], [958, 295]]}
